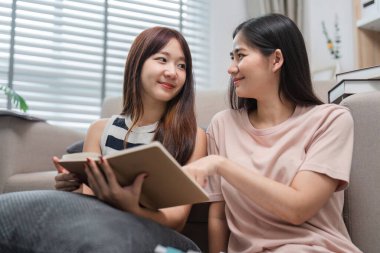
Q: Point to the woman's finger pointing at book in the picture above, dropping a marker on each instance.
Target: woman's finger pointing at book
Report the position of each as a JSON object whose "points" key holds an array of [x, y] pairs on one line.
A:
{"points": [[202, 168], [197, 173]]}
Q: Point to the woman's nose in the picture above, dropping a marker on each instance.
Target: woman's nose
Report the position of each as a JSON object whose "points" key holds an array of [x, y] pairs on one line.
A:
{"points": [[233, 69], [170, 72]]}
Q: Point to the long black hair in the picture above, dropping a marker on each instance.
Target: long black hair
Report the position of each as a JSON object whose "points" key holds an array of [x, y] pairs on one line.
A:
{"points": [[271, 32]]}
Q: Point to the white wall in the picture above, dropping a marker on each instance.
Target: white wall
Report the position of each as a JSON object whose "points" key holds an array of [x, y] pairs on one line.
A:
{"points": [[325, 10], [225, 15]]}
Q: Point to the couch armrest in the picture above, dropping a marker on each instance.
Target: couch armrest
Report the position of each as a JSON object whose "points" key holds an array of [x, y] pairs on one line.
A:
{"points": [[28, 146], [362, 199]]}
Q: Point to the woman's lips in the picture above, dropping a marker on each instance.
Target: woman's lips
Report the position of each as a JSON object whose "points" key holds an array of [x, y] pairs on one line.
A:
{"points": [[237, 80], [167, 85]]}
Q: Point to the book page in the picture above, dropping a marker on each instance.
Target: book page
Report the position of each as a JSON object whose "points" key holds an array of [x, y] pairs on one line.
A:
{"points": [[82, 156]]}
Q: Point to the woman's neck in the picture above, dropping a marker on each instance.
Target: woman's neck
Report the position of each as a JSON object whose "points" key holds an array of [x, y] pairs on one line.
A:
{"points": [[271, 113], [153, 112]]}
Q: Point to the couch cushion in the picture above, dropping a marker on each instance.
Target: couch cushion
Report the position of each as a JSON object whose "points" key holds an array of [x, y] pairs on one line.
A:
{"points": [[28, 146], [31, 181], [76, 147], [207, 103]]}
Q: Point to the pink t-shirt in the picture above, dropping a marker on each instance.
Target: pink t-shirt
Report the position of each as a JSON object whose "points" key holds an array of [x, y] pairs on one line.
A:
{"points": [[316, 138]]}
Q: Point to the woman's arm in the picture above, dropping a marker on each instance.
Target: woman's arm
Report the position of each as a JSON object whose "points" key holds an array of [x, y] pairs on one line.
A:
{"points": [[126, 198], [92, 144], [93, 136], [66, 181], [218, 232], [295, 203], [308, 191]]}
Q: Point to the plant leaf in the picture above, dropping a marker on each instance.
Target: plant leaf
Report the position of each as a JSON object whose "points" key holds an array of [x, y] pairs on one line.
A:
{"points": [[17, 100]]}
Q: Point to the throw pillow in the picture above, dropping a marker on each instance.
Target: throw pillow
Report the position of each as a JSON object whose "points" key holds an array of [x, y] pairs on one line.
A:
{"points": [[75, 147]]}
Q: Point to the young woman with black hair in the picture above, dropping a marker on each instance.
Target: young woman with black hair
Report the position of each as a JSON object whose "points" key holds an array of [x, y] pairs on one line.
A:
{"points": [[279, 160]]}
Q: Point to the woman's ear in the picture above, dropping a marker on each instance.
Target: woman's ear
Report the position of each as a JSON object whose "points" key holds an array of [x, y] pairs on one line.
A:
{"points": [[278, 60]]}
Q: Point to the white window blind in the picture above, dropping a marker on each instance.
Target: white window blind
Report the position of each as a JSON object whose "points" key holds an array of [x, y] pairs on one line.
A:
{"points": [[69, 54], [5, 37]]}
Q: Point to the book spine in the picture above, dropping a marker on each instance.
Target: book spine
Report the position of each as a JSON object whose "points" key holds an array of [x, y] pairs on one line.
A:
{"points": [[336, 92]]}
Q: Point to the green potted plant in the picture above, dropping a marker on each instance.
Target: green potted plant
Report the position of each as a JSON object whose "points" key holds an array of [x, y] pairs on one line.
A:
{"points": [[333, 45], [17, 100]]}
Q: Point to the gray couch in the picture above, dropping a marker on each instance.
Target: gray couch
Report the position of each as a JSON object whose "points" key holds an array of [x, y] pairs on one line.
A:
{"points": [[26, 151], [27, 147], [362, 198]]}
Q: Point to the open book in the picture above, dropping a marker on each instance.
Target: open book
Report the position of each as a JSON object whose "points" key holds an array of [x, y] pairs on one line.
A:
{"points": [[167, 184]]}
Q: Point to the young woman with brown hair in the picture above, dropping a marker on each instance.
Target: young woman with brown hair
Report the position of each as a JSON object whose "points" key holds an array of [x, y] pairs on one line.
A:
{"points": [[158, 104]]}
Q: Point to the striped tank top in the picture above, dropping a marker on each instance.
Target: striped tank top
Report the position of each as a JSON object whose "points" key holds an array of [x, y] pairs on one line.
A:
{"points": [[116, 129]]}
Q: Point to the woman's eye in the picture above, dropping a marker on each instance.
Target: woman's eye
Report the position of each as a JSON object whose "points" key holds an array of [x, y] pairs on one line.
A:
{"points": [[182, 66], [161, 59], [240, 56]]}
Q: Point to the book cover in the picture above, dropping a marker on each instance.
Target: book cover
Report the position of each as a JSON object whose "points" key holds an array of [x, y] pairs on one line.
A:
{"points": [[364, 73], [346, 88], [167, 184]]}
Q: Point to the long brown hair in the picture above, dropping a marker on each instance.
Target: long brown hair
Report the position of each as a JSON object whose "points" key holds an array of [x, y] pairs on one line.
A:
{"points": [[177, 127], [271, 32]]}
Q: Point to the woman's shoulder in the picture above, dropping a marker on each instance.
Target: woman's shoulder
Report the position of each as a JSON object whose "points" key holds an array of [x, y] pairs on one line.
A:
{"points": [[227, 120], [98, 125], [327, 113], [333, 107], [101, 123], [325, 109]]}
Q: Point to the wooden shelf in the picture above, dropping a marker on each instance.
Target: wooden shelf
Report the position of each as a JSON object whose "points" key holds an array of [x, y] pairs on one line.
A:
{"points": [[367, 37], [369, 23]]}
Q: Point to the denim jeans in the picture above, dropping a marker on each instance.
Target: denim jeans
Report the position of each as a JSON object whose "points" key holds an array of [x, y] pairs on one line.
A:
{"points": [[56, 221]]}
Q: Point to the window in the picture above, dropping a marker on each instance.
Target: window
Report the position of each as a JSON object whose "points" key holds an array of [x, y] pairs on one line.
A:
{"points": [[66, 56], [5, 38]]}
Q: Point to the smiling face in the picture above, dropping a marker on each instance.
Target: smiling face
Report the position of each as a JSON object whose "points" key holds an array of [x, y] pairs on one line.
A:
{"points": [[252, 73], [164, 73]]}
